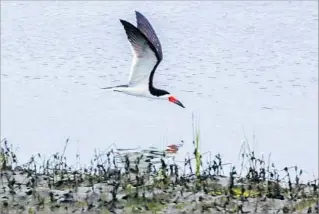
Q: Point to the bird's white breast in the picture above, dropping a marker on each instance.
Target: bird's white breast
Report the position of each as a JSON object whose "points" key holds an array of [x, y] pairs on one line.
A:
{"points": [[141, 91]]}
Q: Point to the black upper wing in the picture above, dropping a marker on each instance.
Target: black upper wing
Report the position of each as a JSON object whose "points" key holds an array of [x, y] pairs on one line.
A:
{"points": [[137, 39], [146, 28], [145, 55]]}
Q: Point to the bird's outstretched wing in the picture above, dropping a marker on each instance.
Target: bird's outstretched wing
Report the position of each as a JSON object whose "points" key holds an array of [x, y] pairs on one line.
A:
{"points": [[146, 28], [144, 55]]}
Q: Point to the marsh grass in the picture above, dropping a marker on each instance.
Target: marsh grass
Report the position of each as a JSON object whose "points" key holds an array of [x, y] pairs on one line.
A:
{"points": [[149, 180]]}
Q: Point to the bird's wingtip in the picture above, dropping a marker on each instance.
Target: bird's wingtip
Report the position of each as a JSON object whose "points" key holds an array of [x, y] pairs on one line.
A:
{"points": [[139, 15]]}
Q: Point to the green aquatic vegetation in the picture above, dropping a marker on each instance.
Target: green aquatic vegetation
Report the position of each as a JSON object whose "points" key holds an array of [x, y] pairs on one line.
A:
{"points": [[105, 211], [31, 210], [196, 152], [305, 203], [149, 181], [81, 204], [139, 204], [8, 159], [180, 205], [252, 193]]}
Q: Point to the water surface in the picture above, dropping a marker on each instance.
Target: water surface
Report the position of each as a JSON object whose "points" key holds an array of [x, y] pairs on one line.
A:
{"points": [[249, 70]]}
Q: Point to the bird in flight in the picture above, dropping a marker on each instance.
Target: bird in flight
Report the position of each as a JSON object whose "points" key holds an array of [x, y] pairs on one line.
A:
{"points": [[147, 55]]}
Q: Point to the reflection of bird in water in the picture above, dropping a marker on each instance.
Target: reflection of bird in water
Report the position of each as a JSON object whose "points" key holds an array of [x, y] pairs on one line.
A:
{"points": [[173, 148]]}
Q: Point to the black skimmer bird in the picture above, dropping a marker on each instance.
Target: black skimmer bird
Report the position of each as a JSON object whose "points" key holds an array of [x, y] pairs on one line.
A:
{"points": [[147, 55]]}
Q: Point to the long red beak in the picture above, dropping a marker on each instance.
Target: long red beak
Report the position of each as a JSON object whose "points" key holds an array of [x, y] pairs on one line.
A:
{"points": [[177, 102]]}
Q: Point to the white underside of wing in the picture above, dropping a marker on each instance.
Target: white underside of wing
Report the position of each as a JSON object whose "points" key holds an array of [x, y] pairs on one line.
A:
{"points": [[142, 65]]}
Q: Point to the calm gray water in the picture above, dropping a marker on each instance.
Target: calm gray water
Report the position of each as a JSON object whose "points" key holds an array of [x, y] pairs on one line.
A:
{"points": [[246, 69]]}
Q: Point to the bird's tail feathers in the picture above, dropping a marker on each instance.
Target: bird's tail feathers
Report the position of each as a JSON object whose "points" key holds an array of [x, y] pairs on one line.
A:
{"points": [[114, 87]]}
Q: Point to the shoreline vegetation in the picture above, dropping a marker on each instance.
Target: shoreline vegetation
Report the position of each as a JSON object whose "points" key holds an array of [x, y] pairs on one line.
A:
{"points": [[151, 181]]}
